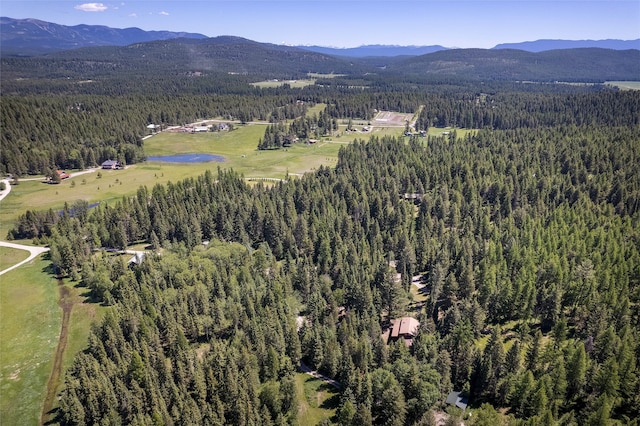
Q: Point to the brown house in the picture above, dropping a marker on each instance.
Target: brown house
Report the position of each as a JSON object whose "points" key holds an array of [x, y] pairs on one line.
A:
{"points": [[405, 328]]}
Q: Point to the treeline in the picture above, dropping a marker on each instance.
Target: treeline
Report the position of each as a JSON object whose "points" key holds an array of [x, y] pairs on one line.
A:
{"points": [[496, 110], [198, 337], [530, 235], [69, 132], [61, 124]]}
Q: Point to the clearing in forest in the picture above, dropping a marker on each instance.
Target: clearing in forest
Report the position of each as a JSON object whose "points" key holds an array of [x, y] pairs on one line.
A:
{"points": [[391, 119]]}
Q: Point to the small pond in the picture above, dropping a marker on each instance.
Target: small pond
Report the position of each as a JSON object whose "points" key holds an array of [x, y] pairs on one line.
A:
{"points": [[187, 158]]}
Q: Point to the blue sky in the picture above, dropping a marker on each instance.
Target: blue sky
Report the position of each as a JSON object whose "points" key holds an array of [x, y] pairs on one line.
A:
{"points": [[350, 23]]}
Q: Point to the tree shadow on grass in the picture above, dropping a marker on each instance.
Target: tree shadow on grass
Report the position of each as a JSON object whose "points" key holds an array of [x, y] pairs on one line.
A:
{"points": [[333, 402], [55, 417]]}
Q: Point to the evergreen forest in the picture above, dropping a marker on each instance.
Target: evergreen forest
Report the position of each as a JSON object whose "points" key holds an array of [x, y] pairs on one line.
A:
{"points": [[523, 234]]}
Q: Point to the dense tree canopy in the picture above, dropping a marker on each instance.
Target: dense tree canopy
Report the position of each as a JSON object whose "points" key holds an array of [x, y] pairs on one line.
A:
{"points": [[523, 231]]}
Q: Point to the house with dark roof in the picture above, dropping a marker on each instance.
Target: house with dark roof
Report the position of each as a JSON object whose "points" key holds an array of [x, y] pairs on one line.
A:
{"points": [[110, 165], [456, 398], [405, 329]]}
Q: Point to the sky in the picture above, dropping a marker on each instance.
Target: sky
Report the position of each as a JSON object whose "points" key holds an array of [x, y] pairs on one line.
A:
{"points": [[352, 23]]}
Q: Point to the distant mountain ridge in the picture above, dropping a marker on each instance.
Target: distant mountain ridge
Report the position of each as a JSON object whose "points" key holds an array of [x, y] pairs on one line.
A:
{"points": [[382, 50], [33, 37], [544, 45], [30, 37], [577, 65]]}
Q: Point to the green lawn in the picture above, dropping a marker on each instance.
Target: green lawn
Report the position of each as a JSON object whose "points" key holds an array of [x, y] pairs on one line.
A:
{"points": [[239, 149], [30, 319], [317, 400], [9, 257]]}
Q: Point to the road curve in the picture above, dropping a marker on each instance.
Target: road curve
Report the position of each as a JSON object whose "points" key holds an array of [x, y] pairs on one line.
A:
{"points": [[7, 190], [33, 253]]}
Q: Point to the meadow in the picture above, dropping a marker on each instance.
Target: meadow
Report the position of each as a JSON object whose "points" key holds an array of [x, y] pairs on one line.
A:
{"points": [[317, 400], [9, 257], [28, 296], [295, 84], [238, 147]]}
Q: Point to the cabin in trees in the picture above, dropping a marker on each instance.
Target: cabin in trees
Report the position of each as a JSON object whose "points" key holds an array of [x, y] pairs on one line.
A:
{"points": [[111, 165], [405, 329], [457, 399]]}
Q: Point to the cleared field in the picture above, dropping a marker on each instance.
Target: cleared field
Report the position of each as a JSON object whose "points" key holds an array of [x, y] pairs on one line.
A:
{"points": [[296, 84], [27, 296], [318, 75], [9, 257], [238, 148], [389, 118], [240, 153], [317, 400]]}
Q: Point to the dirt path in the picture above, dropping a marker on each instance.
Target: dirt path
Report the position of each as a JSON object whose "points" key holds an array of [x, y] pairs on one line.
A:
{"points": [[66, 303]]}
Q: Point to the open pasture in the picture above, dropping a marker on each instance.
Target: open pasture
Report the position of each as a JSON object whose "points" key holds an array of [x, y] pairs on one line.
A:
{"points": [[296, 84], [238, 147], [317, 400], [27, 296], [392, 119]]}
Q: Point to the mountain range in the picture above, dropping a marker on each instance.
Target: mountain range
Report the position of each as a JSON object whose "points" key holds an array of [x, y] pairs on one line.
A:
{"points": [[131, 52], [32, 37]]}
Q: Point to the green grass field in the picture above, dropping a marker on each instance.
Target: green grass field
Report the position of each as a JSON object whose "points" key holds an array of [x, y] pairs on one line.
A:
{"points": [[318, 401], [30, 319], [9, 257], [29, 296], [296, 84]]}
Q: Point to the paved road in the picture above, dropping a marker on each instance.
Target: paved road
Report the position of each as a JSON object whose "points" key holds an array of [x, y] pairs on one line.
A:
{"points": [[33, 253], [7, 190]]}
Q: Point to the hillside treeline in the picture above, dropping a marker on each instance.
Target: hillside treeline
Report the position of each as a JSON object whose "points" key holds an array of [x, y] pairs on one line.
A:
{"points": [[68, 132], [527, 241]]}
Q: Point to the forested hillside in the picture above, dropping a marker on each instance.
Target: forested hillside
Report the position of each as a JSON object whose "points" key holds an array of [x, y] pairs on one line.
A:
{"points": [[525, 234]]}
